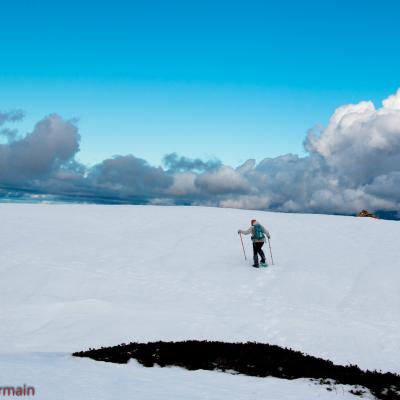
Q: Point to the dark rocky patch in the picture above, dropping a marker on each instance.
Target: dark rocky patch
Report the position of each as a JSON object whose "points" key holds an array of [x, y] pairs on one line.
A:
{"points": [[254, 359], [366, 213]]}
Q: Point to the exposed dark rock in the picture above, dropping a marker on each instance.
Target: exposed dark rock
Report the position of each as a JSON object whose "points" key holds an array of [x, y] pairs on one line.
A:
{"points": [[254, 359], [366, 213]]}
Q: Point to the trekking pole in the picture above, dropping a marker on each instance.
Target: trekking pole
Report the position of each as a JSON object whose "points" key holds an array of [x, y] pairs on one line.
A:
{"points": [[243, 247], [270, 251]]}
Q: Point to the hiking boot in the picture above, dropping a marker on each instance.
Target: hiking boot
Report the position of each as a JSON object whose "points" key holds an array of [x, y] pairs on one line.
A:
{"points": [[255, 266]]}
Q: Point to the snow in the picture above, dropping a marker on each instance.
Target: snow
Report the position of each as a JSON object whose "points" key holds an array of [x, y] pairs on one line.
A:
{"points": [[79, 276], [59, 376]]}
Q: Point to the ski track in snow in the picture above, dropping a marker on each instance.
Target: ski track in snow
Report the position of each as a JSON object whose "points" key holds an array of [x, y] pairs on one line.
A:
{"points": [[79, 276]]}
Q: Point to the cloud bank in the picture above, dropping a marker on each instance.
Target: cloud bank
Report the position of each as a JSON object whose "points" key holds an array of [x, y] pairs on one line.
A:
{"points": [[351, 164]]}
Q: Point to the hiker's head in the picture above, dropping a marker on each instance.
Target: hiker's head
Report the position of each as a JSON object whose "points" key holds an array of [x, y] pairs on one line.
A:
{"points": [[253, 221]]}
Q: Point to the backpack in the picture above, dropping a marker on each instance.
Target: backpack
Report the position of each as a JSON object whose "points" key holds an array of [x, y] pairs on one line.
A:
{"points": [[258, 232]]}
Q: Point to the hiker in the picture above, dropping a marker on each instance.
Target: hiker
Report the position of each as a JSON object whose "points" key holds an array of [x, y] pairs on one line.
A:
{"points": [[258, 233]]}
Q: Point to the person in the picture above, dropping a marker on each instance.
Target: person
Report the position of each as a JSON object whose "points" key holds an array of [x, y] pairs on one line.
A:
{"points": [[258, 233]]}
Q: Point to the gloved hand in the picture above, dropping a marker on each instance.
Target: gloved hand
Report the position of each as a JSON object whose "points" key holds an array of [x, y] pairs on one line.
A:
{"points": [[239, 231], [269, 236]]}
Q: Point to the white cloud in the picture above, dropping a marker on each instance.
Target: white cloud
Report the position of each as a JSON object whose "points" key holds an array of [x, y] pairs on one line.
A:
{"points": [[361, 142], [222, 181], [247, 202], [53, 142], [393, 101], [352, 163], [183, 184]]}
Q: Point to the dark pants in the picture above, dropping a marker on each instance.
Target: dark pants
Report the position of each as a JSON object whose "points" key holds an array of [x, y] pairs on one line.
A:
{"points": [[257, 250]]}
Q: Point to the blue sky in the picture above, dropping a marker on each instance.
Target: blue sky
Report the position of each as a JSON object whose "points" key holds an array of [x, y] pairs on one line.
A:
{"points": [[226, 79]]}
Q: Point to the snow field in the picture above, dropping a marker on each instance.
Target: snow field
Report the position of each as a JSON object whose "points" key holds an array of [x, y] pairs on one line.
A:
{"points": [[79, 276]]}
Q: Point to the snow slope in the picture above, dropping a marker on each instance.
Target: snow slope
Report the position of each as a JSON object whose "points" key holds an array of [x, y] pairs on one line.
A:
{"points": [[75, 276], [57, 376]]}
